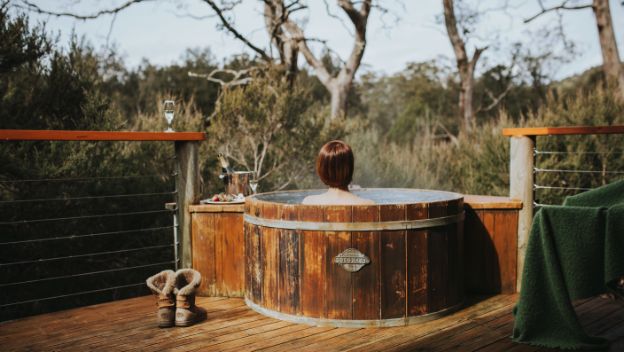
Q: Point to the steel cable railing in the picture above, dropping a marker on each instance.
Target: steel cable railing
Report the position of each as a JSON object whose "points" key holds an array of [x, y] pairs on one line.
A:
{"points": [[35, 280], [552, 184], [78, 239], [568, 160]]}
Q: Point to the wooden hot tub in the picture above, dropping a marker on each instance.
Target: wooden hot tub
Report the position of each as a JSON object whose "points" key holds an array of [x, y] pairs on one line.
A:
{"points": [[394, 263]]}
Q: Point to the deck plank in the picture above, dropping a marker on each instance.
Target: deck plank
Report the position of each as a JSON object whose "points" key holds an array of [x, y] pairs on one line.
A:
{"points": [[396, 337], [129, 325]]}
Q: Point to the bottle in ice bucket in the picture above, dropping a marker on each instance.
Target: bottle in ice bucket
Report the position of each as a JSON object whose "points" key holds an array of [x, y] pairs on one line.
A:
{"points": [[235, 182]]}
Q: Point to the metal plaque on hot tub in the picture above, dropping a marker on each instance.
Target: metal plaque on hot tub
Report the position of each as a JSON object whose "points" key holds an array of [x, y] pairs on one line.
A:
{"points": [[351, 260]]}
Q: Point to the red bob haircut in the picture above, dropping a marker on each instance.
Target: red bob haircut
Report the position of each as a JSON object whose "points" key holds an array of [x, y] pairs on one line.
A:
{"points": [[334, 164]]}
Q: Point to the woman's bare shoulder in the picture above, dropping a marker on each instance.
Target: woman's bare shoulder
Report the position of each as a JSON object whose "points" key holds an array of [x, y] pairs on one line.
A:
{"points": [[325, 199]]}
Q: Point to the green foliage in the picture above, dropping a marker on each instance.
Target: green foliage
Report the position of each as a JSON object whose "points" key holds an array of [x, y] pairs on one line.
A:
{"points": [[22, 45], [41, 88], [478, 163], [473, 164], [402, 106], [272, 128], [606, 152], [138, 91]]}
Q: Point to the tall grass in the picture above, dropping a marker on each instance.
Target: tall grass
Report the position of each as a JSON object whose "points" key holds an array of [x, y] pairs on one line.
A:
{"points": [[478, 163]]}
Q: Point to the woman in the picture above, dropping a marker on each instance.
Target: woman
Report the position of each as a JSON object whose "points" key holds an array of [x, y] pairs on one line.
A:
{"points": [[334, 165]]}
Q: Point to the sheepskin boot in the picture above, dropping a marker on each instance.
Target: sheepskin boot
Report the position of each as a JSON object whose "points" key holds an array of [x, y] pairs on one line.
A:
{"points": [[186, 283], [162, 285]]}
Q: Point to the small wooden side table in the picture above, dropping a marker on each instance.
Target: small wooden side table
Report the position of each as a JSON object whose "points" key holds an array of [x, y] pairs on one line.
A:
{"points": [[218, 248], [490, 244]]}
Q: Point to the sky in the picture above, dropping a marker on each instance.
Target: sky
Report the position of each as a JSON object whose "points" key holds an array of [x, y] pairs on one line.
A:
{"points": [[161, 31]]}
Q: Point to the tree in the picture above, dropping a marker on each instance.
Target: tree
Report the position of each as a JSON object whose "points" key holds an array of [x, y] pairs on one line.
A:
{"points": [[272, 128], [22, 46], [275, 13], [465, 65], [285, 34], [289, 39], [340, 84], [611, 64]]}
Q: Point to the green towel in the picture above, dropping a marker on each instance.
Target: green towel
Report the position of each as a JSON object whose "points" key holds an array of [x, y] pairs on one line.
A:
{"points": [[573, 252]]}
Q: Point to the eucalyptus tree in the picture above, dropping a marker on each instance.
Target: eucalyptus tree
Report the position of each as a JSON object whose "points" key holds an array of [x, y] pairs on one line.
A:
{"points": [[286, 35], [611, 64], [466, 63]]}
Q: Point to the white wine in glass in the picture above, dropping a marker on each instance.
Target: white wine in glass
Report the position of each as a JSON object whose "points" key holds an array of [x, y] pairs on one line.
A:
{"points": [[168, 108], [253, 184]]}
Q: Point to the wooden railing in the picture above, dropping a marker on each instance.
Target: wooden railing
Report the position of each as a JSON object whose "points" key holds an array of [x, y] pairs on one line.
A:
{"points": [[522, 171], [185, 171]]}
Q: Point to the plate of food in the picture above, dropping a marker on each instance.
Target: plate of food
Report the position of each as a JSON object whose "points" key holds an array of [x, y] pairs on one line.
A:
{"points": [[223, 198]]}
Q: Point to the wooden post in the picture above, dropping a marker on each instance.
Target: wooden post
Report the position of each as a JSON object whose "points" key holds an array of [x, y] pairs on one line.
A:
{"points": [[187, 186], [521, 187]]}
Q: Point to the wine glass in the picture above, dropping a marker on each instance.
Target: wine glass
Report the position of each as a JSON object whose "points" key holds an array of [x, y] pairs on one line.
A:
{"points": [[253, 184], [168, 107]]}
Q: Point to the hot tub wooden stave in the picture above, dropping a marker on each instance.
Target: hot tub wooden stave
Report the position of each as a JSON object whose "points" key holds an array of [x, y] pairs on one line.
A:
{"points": [[414, 274]]}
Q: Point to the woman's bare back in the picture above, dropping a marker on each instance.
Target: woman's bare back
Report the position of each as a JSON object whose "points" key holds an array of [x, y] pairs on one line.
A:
{"points": [[336, 197]]}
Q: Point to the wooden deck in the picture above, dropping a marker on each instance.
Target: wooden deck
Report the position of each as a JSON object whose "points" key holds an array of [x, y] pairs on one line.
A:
{"points": [[130, 325]]}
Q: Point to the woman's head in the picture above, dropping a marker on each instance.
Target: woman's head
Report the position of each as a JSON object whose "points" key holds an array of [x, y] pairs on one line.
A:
{"points": [[334, 164]]}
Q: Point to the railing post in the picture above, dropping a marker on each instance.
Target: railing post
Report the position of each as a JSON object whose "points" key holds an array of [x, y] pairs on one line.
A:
{"points": [[187, 186], [521, 187]]}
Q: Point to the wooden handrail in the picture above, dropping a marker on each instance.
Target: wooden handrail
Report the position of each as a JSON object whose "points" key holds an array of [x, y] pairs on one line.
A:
{"points": [[549, 131], [55, 135]]}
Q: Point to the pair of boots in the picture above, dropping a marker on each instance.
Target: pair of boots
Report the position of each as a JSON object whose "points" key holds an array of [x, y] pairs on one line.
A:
{"points": [[176, 297]]}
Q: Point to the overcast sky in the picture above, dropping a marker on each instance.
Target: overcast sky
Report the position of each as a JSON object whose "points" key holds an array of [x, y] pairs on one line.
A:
{"points": [[159, 31]]}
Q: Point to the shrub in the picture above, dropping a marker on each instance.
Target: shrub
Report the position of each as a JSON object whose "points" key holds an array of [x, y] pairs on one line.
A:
{"points": [[272, 129], [478, 163]]}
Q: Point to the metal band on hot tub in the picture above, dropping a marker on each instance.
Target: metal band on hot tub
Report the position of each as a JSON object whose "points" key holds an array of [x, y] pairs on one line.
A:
{"points": [[352, 323], [355, 226]]}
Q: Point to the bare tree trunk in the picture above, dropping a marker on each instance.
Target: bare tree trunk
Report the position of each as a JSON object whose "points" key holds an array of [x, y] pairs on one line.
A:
{"points": [[339, 93], [465, 102], [290, 61], [611, 65], [340, 85], [275, 15], [465, 66]]}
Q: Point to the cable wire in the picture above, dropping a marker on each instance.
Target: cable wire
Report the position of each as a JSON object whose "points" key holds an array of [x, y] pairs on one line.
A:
{"points": [[88, 197], [536, 169], [85, 217], [71, 237], [84, 255], [86, 274], [562, 188], [85, 178], [539, 152], [72, 294]]}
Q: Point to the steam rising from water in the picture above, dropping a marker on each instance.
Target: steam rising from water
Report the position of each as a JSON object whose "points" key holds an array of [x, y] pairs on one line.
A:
{"points": [[378, 195]]}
